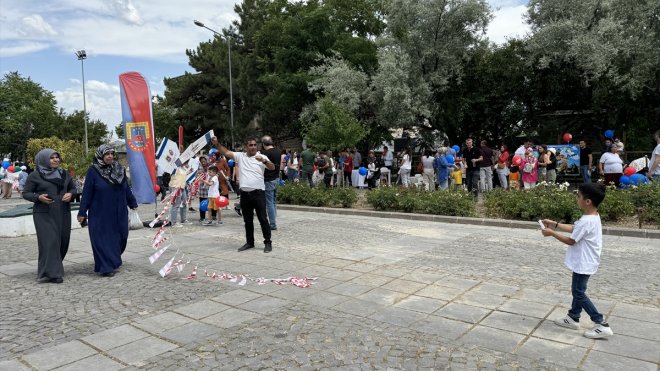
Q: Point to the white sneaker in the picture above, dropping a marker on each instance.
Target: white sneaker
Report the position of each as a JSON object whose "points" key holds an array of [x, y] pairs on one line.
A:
{"points": [[178, 225], [567, 322], [599, 331]]}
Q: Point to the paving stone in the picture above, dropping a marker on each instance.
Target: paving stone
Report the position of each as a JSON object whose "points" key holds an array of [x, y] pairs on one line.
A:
{"points": [[405, 286], [638, 312], [141, 350], [13, 365], [463, 312], [383, 296], [230, 318], [370, 279], [457, 283], [635, 328], [491, 338], [495, 289], [597, 361], [325, 299], [397, 316], [98, 362], [342, 274], [264, 304], [112, 338], [527, 308], [236, 297], [481, 300], [439, 292], [511, 322], [59, 355], [350, 289], [190, 332], [17, 269], [440, 326], [420, 304], [548, 330], [563, 354], [162, 322], [642, 349], [201, 309], [358, 307]]}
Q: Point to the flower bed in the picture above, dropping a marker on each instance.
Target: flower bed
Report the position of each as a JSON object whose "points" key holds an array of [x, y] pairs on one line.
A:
{"points": [[301, 194], [411, 200]]}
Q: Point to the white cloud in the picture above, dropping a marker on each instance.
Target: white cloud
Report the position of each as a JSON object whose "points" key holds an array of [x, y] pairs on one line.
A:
{"points": [[127, 11], [35, 25], [150, 29], [21, 48], [103, 101], [508, 22]]}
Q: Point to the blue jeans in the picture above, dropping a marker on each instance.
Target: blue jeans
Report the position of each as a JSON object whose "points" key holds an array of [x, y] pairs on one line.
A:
{"points": [[586, 173], [271, 201], [581, 300]]}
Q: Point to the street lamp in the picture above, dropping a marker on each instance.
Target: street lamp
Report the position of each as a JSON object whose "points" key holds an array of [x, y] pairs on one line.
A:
{"points": [[231, 91], [82, 55]]}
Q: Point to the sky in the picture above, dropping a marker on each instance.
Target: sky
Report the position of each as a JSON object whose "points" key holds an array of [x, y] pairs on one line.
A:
{"points": [[39, 38]]}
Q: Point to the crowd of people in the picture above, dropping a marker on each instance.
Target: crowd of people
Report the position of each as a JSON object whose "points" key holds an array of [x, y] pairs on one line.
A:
{"points": [[470, 167]]}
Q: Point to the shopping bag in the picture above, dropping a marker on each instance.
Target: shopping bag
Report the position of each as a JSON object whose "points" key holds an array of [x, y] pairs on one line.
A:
{"points": [[134, 221]]}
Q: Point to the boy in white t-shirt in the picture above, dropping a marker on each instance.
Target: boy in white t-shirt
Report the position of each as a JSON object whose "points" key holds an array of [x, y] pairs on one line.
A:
{"points": [[214, 192], [582, 257]]}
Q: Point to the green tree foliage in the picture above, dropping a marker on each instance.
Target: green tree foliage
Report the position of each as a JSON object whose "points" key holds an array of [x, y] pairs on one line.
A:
{"points": [[331, 126], [26, 111], [602, 56], [72, 153]]}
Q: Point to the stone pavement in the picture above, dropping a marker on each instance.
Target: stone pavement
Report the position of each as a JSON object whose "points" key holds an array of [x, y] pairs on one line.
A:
{"points": [[391, 294]]}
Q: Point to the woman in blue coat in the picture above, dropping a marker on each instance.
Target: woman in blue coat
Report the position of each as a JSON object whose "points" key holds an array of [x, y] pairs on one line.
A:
{"points": [[105, 200]]}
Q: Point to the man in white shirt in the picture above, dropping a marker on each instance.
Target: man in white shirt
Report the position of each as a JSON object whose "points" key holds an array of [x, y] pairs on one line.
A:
{"points": [[654, 165], [253, 194]]}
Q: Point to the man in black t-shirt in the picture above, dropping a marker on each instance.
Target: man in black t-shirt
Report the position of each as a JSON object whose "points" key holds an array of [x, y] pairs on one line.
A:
{"points": [[586, 159], [271, 180], [471, 158]]}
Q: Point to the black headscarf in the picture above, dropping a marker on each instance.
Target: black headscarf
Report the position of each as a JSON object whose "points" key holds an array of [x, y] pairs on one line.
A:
{"points": [[113, 173], [53, 175]]}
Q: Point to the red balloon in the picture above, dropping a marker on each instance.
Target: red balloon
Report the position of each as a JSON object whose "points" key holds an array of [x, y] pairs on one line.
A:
{"points": [[567, 137], [629, 171], [517, 160], [157, 188], [72, 173], [222, 201], [11, 169]]}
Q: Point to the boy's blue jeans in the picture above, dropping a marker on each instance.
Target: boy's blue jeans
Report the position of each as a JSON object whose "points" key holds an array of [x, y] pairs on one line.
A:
{"points": [[581, 300]]}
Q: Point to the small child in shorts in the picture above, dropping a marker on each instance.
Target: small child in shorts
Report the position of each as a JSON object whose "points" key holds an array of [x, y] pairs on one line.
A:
{"points": [[214, 192]]}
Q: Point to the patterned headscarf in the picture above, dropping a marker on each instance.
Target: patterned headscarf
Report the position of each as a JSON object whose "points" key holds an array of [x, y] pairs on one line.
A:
{"points": [[113, 173], [42, 159]]}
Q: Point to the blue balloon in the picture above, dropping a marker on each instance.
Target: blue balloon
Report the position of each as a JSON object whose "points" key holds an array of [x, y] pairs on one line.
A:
{"points": [[204, 205], [625, 180], [212, 151], [6, 164], [281, 182], [637, 179], [450, 159], [456, 148], [609, 134], [286, 158], [363, 171], [230, 163]]}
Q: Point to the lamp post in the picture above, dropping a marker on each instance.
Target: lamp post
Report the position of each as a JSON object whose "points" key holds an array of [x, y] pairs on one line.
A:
{"points": [[231, 90], [82, 55]]}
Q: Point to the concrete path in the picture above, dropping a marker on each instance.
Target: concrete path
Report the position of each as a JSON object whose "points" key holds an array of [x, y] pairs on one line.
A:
{"points": [[391, 293]]}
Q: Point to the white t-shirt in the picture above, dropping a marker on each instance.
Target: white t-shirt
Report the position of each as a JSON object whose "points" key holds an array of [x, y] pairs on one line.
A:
{"points": [[252, 172], [406, 162], [656, 153], [584, 256], [214, 191], [520, 151], [387, 159], [612, 163], [427, 162]]}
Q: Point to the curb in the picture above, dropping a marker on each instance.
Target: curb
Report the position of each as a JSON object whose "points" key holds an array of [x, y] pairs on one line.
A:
{"points": [[503, 223]]}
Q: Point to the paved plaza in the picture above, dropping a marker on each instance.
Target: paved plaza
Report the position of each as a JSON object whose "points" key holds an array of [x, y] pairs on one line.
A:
{"points": [[390, 294]]}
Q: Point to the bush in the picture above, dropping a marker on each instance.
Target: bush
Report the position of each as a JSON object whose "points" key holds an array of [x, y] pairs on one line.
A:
{"points": [[617, 204], [544, 201], [301, 194], [454, 203], [647, 197]]}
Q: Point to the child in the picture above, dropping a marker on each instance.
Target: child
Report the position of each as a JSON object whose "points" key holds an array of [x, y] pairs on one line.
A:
{"points": [[514, 177], [214, 192], [583, 257]]}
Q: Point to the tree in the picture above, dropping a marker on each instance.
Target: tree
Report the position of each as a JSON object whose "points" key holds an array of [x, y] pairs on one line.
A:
{"points": [[330, 126], [72, 127], [610, 50], [72, 153], [26, 110]]}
